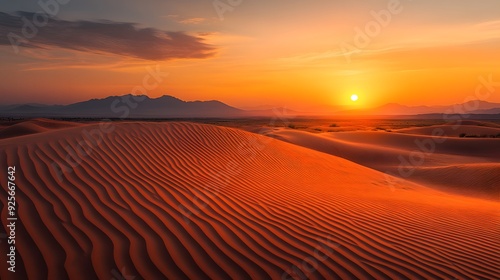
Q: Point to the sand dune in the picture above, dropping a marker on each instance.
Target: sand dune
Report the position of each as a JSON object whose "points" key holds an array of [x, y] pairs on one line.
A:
{"points": [[190, 201], [450, 145], [412, 157], [481, 179], [454, 130], [32, 126], [20, 130]]}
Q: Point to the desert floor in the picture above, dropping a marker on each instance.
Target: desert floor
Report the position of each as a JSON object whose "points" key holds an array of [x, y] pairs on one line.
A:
{"points": [[253, 199]]}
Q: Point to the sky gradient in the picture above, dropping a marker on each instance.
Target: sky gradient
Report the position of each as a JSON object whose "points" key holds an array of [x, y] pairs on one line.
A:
{"points": [[306, 55]]}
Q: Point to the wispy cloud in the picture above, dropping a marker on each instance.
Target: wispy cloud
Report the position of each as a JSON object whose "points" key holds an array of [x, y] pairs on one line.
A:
{"points": [[192, 20], [179, 19], [119, 38]]}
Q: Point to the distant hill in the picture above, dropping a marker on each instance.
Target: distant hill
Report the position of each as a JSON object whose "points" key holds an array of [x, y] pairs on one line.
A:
{"points": [[128, 106]]}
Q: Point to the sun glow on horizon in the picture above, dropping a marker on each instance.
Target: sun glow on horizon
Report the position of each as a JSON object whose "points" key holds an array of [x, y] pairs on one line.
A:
{"points": [[354, 97]]}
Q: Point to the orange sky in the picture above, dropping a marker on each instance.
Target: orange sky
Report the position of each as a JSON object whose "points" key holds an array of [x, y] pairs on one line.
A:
{"points": [[268, 54]]}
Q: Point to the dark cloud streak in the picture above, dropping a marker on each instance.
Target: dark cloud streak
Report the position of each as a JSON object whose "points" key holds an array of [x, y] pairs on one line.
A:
{"points": [[120, 38]]}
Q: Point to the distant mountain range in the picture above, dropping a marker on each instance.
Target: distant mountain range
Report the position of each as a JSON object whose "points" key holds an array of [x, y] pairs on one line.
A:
{"points": [[130, 106]]}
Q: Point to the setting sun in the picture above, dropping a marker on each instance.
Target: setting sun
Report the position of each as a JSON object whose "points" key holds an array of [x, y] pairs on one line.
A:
{"points": [[354, 97]]}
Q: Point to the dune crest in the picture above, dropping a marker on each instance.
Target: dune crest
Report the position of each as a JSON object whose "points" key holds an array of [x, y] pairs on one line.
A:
{"points": [[191, 201], [34, 126]]}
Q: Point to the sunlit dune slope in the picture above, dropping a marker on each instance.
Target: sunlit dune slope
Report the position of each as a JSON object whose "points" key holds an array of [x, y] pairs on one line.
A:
{"points": [[189, 201]]}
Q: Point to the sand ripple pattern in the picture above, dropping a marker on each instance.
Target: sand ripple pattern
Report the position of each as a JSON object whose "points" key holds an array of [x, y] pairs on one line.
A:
{"points": [[191, 201]]}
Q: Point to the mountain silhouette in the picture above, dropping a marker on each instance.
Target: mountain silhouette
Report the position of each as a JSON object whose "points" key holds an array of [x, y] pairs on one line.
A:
{"points": [[129, 106]]}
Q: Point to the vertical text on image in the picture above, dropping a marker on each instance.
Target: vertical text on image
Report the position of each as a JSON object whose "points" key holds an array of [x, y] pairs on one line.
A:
{"points": [[11, 218]]}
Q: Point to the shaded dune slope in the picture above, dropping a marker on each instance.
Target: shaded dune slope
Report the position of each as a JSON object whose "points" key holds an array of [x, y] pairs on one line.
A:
{"points": [[189, 201], [28, 127], [463, 166], [20, 129], [454, 130]]}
